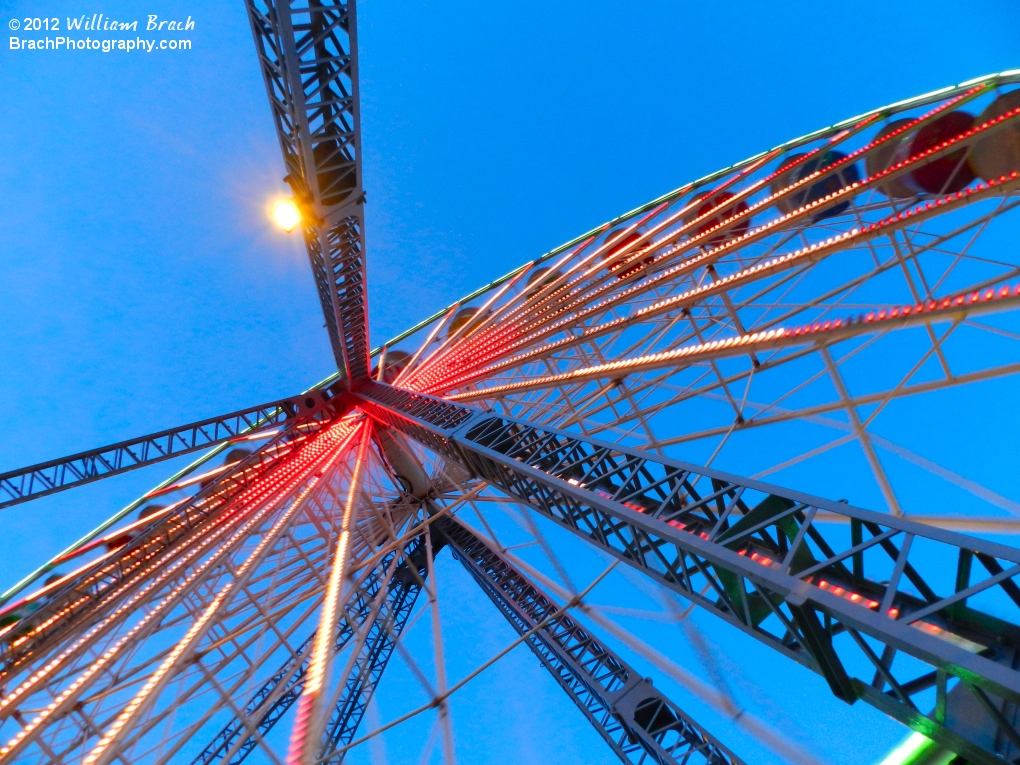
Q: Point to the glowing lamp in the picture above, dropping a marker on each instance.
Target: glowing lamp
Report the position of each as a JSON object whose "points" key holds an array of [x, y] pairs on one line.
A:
{"points": [[286, 214]]}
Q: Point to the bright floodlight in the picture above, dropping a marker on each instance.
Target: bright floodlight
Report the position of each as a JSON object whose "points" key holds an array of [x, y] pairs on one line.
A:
{"points": [[286, 214]]}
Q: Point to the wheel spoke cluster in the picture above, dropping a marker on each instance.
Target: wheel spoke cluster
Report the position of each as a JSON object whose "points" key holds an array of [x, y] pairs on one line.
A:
{"points": [[752, 298], [844, 601], [816, 283]]}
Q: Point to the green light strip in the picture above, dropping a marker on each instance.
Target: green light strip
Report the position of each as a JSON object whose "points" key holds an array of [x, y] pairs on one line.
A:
{"points": [[915, 747], [1010, 75]]}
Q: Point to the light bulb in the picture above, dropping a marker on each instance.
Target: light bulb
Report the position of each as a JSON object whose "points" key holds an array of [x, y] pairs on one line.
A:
{"points": [[286, 214]]}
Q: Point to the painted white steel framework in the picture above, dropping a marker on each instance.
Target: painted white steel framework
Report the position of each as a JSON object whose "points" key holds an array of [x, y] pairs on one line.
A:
{"points": [[824, 313]]}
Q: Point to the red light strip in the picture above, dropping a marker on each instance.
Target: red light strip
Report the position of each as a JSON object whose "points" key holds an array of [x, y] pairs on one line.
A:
{"points": [[467, 331], [823, 584], [104, 539], [421, 349], [215, 471], [541, 298], [309, 720], [639, 245], [69, 694], [433, 383], [567, 256], [236, 510], [326, 446], [127, 568], [161, 574], [873, 605], [820, 333], [811, 254], [507, 323], [193, 480], [854, 597]]}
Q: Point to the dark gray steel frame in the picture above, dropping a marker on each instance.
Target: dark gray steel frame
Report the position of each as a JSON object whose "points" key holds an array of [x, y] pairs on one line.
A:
{"points": [[270, 703], [81, 601], [645, 510], [308, 53], [638, 722], [45, 478]]}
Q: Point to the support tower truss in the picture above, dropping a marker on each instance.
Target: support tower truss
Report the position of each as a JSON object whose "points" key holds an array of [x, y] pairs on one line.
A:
{"points": [[277, 695], [874, 609], [56, 475], [637, 721], [308, 51]]}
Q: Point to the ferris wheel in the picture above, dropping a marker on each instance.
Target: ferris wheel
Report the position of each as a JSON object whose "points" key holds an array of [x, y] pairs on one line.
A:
{"points": [[704, 394]]}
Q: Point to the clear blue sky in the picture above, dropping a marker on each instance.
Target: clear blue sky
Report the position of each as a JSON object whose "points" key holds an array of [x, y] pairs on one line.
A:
{"points": [[141, 285]]}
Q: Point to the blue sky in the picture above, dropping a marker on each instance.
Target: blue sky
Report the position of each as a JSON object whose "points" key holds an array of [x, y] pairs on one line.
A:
{"points": [[142, 285]]}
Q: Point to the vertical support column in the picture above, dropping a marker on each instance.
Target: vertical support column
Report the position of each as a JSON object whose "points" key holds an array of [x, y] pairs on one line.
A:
{"points": [[309, 59], [635, 718]]}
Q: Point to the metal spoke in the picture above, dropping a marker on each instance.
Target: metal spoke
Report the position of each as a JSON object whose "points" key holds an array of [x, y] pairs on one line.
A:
{"points": [[777, 575], [761, 318]]}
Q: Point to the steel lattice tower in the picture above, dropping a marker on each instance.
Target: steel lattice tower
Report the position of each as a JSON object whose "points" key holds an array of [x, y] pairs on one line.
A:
{"points": [[272, 596]]}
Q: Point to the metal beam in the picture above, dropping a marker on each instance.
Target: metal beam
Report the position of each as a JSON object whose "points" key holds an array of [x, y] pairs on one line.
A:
{"points": [[367, 669], [788, 147], [56, 475], [67, 606], [842, 604], [270, 703], [308, 53], [637, 721]]}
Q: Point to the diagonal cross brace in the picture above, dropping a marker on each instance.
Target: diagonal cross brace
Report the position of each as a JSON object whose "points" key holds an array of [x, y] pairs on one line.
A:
{"points": [[308, 54], [27, 483], [638, 722], [801, 587]]}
